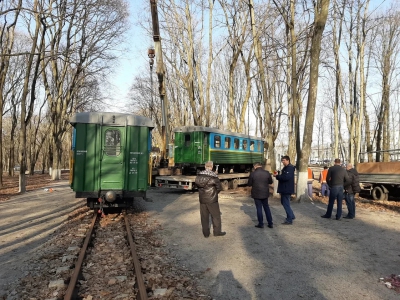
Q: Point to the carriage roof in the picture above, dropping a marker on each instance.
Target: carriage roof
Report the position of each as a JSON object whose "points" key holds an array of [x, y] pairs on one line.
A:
{"points": [[215, 130], [111, 118]]}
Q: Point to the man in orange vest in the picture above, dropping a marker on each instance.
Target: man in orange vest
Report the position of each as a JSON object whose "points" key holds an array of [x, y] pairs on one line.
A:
{"points": [[324, 184], [310, 181]]}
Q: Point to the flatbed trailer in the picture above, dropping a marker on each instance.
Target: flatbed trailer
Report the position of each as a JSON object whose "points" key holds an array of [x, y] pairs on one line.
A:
{"points": [[187, 182], [380, 179]]}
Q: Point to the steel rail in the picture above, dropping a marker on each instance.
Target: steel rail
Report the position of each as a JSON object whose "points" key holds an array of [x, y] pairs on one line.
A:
{"points": [[78, 265], [142, 293]]}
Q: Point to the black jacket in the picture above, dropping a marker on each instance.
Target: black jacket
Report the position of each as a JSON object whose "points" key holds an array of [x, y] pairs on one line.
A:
{"points": [[286, 180], [337, 176], [209, 186], [260, 180], [353, 186]]}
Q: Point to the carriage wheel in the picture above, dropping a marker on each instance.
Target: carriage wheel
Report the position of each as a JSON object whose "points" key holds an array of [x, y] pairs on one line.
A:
{"points": [[225, 185], [234, 184]]}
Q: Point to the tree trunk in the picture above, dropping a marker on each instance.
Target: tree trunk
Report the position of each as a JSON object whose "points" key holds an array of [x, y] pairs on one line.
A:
{"points": [[320, 16], [260, 66]]}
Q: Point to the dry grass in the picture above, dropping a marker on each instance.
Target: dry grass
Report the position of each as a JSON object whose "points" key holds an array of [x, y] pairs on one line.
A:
{"points": [[11, 183]]}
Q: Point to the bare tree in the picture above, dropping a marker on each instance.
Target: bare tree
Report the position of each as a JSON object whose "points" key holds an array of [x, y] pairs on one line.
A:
{"points": [[9, 10], [297, 47], [337, 31], [81, 37], [182, 34], [320, 17], [388, 37], [236, 21], [264, 88], [31, 76]]}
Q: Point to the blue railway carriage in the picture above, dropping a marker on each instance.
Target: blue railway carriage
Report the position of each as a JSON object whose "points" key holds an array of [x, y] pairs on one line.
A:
{"points": [[232, 152], [110, 158]]}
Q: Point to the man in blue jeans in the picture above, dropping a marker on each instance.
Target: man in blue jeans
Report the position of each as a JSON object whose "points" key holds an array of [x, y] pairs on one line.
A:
{"points": [[286, 188], [351, 188], [337, 178], [259, 180]]}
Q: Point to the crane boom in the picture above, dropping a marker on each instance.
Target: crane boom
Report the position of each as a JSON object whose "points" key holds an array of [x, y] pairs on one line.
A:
{"points": [[160, 70]]}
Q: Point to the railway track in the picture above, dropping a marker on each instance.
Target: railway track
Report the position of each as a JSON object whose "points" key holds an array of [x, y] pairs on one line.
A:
{"points": [[104, 241]]}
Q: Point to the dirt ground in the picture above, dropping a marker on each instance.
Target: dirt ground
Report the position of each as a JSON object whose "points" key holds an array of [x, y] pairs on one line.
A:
{"points": [[313, 259]]}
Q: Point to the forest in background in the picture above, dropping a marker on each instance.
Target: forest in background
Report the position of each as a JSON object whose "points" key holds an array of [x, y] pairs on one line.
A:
{"points": [[213, 51], [300, 73]]}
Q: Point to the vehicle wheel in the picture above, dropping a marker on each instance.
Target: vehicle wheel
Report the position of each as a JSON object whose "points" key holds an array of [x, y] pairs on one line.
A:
{"points": [[234, 184], [225, 185], [378, 194]]}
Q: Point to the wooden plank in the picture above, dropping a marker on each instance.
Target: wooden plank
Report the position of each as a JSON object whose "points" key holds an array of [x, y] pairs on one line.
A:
{"points": [[379, 168]]}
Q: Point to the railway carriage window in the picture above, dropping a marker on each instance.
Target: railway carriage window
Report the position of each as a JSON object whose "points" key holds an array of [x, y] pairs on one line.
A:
{"points": [[217, 141], [251, 145], [227, 143], [112, 142], [187, 140], [244, 144], [236, 143]]}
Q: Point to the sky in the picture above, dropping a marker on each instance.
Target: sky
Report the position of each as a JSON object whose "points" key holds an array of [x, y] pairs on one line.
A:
{"points": [[135, 61]]}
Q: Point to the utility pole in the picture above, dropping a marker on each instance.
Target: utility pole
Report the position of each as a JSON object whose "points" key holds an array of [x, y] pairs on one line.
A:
{"points": [[151, 55], [160, 70]]}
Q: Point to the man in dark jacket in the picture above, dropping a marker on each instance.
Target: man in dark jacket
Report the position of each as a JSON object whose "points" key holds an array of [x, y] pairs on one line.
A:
{"points": [[259, 180], [286, 188], [337, 178], [351, 188], [209, 186]]}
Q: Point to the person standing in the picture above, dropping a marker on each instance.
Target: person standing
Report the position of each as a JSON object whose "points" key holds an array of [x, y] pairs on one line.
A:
{"points": [[209, 186], [286, 188], [337, 177], [259, 180], [324, 184], [351, 188], [310, 182]]}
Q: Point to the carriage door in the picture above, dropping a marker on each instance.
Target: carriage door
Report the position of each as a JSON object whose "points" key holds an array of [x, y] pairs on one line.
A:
{"points": [[206, 148], [188, 144], [112, 162]]}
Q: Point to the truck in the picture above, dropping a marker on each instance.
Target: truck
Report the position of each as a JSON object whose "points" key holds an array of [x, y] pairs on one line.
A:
{"points": [[186, 182], [380, 179]]}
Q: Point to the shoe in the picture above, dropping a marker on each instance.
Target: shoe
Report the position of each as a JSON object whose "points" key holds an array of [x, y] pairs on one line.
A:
{"points": [[325, 216], [337, 219], [259, 226], [287, 223], [347, 217], [294, 218], [270, 226], [220, 234], [206, 236]]}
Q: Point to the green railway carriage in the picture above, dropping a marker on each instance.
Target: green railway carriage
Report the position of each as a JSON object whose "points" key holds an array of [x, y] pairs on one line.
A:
{"points": [[232, 152], [110, 161]]}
